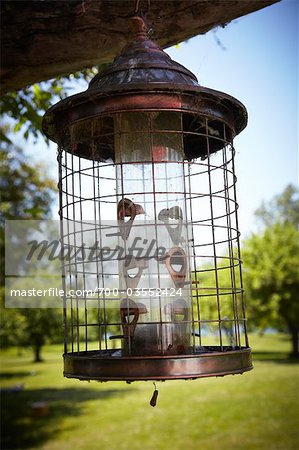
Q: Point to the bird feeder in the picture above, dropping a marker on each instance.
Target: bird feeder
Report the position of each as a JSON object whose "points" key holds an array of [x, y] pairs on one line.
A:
{"points": [[147, 146]]}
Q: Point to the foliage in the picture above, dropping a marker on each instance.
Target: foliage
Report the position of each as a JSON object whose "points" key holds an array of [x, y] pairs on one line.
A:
{"points": [[27, 106], [271, 274], [12, 324], [207, 307], [271, 269], [29, 327], [26, 194]]}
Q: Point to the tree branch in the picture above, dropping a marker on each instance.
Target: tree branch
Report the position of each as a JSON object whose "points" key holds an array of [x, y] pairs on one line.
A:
{"points": [[46, 39]]}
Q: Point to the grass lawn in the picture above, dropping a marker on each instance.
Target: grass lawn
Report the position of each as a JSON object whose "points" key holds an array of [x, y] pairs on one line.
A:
{"points": [[258, 410]]}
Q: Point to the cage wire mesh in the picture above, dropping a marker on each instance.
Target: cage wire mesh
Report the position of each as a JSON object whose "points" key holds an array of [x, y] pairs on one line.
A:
{"points": [[186, 302], [148, 206]]}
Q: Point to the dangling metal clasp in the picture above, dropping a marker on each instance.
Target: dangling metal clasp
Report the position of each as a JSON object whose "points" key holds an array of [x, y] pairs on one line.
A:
{"points": [[176, 214], [127, 208]]}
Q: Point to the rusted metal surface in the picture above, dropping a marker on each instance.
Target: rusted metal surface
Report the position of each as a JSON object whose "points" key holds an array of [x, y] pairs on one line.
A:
{"points": [[142, 61], [202, 102], [133, 263], [129, 313], [105, 366], [174, 213], [143, 78], [176, 257], [127, 208]]}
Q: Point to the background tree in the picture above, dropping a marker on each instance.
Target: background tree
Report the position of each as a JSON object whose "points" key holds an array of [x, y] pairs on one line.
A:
{"points": [[25, 194], [283, 208], [27, 106], [271, 267], [207, 306]]}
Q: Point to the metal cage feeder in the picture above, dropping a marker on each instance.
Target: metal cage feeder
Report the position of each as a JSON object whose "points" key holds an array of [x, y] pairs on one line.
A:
{"points": [[148, 148]]}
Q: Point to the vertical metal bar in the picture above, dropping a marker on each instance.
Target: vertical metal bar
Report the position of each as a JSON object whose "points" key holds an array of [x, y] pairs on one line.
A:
{"points": [[94, 178], [75, 246], [66, 208], [194, 267], [123, 193], [102, 272], [213, 234], [188, 239], [156, 230], [239, 252], [229, 240], [60, 188], [83, 264]]}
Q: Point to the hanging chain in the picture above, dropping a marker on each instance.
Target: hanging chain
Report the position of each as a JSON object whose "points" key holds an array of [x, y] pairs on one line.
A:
{"points": [[137, 7]]}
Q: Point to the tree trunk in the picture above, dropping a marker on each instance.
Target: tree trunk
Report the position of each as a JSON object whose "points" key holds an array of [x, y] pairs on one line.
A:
{"points": [[37, 353], [295, 342]]}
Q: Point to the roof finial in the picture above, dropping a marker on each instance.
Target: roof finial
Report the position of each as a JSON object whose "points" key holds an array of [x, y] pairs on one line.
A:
{"points": [[139, 27]]}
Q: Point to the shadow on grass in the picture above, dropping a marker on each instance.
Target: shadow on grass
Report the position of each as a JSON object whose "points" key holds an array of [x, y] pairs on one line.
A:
{"points": [[20, 430], [277, 357], [9, 375]]}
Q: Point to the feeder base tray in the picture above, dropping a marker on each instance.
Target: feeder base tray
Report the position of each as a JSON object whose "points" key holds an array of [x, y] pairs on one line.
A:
{"points": [[106, 365]]}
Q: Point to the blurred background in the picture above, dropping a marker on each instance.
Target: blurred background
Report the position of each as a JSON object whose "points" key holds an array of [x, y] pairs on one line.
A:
{"points": [[255, 59]]}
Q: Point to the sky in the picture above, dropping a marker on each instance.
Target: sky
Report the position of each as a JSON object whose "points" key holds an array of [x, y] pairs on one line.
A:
{"points": [[256, 62]]}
